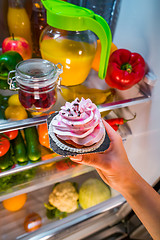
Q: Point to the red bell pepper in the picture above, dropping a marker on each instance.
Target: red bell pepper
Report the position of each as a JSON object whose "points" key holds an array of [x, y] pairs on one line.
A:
{"points": [[125, 69]]}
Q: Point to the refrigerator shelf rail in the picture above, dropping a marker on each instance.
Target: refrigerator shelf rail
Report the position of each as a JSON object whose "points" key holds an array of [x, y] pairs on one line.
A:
{"points": [[43, 177], [142, 91], [28, 166]]}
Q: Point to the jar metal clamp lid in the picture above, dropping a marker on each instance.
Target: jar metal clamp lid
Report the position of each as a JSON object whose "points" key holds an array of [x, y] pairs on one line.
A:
{"points": [[36, 71]]}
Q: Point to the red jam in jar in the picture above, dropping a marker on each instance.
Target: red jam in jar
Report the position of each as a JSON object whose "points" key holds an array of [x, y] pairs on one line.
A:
{"points": [[37, 80]]}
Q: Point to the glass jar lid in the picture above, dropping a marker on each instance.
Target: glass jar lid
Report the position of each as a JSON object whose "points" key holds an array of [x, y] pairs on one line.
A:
{"points": [[37, 71]]}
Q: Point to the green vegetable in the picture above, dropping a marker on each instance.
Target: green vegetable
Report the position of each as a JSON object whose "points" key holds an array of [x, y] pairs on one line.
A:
{"points": [[8, 62], [3, 82], [3, 105], [19, 149], [1, 114], [32, 143], [53, 212], [6, 160], [92, 192], [7, 182]]}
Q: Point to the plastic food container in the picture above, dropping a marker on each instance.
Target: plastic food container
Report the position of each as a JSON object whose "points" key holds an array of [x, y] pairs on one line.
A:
{"points": [[36, 81]]}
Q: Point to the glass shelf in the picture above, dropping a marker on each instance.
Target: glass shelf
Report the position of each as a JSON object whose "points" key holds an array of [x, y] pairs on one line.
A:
{"points": [[35, 203], [38, 177], [139, 93], [18, 168]]}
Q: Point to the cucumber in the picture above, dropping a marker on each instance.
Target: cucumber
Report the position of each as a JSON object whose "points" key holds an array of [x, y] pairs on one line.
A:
{"points": [[6, 160], [19, 149], [32, 143]]}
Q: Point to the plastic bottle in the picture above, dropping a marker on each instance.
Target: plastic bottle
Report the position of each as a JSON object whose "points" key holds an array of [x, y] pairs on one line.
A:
{"points": [[38, 23], [18, 20]]}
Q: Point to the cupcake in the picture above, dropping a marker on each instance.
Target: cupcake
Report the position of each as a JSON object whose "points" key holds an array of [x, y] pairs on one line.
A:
{"points": [[78, 127]]}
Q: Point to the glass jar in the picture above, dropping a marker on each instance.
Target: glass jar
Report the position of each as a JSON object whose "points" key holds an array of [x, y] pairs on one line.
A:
{"points": [[75, 50], [36, 81]]}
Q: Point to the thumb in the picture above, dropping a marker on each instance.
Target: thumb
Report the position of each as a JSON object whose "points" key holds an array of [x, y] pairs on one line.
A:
{"points": [[77, 158], [91, 159]]}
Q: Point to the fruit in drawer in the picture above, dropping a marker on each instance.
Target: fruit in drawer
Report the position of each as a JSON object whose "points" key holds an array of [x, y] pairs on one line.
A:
{"points": [[15, 113], [32, 222], [92, 192], [15, 203]]}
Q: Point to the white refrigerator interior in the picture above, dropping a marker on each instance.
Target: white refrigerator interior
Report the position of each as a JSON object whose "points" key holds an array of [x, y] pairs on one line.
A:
{"points": [[138, 31]]}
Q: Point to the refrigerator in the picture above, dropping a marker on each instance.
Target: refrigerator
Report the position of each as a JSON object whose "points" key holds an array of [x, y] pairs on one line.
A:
{"points": [[136, 28]]}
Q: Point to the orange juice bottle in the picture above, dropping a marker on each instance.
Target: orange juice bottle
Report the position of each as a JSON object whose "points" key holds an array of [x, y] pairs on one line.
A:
{"points": [[18, 20]]}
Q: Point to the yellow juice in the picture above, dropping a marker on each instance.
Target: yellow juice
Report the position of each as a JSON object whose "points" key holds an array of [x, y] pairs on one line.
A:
{"points": [[19, 23], [75, 57]]}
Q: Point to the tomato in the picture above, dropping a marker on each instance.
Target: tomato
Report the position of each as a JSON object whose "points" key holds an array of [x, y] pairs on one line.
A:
{"points": [[11, 134], [15, 203], [65, 164], [4, 145]]}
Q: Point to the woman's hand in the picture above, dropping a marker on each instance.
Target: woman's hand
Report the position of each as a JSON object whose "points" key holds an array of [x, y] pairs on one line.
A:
{"points": [[115, 169], [112, 165]]}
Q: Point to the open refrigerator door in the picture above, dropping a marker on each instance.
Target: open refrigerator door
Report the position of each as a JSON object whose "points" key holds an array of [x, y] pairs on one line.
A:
{"points": [[140, 137]]}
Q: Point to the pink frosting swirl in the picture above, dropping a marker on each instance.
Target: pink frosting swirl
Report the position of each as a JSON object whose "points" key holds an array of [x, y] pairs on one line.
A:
{"points": [[79, 121]]}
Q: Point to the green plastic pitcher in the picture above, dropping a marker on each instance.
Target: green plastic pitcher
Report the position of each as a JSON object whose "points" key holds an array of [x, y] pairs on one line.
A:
{"points": [[66, 16]]}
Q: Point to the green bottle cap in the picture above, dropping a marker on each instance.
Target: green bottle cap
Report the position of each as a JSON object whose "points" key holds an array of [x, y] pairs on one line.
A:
{"points": [[67, 16]]}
